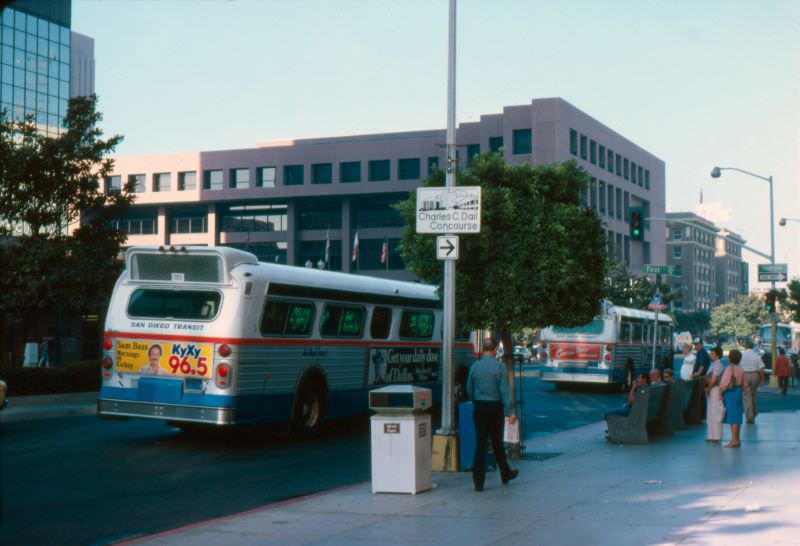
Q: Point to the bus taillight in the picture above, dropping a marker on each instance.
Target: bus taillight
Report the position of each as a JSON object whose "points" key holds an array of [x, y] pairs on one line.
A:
{"points": [[107, 344], [224, 351], [107, 363], [608, 357], [222, 378], [609, 348]]}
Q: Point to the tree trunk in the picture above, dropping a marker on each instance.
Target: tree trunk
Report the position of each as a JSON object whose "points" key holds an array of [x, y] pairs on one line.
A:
{"points": [[515, 449]]}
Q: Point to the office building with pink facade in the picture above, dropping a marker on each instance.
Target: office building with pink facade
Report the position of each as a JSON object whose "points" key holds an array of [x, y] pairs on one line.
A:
{"points": [[284, 200]]}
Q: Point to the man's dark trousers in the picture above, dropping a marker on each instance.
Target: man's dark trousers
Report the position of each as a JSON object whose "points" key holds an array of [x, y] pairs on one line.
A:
{"points": [[488, 417]]}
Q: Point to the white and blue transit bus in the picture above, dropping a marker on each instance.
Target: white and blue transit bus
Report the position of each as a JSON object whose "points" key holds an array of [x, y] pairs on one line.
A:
{"points": [[211, 335], [614, 347]]}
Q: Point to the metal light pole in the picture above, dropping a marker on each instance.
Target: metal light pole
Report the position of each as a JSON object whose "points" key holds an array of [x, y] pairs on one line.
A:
{"points": [[448, 337], [716, 172]]}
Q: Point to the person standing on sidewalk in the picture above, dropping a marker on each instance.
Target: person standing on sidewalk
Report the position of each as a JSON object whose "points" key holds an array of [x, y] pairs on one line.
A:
{"points": [[487, 387], [731, 394], [702, 361], [782, 370], [687, 367], [714, 405], [753, 378]]}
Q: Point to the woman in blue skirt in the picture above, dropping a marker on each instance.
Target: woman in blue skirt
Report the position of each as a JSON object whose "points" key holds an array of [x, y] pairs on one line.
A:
{"points": [[731, 389]]}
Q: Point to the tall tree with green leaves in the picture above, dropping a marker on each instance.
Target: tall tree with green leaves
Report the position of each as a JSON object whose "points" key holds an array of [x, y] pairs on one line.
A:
{"points": [[790, 300], [539, 259], [740, 318], [58, 249]]}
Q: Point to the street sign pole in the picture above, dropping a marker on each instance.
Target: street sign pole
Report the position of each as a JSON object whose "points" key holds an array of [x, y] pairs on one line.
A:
{"points": [[448, 407]]}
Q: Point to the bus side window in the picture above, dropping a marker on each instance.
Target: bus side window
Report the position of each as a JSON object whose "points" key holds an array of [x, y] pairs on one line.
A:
{"points": [[274, 318], [625, 331], [381, 323], [636, 332], [341, 321], [299, 321], [416, 325]]}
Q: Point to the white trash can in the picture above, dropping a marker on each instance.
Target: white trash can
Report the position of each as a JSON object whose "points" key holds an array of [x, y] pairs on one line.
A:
{"points": [[401, 439]]}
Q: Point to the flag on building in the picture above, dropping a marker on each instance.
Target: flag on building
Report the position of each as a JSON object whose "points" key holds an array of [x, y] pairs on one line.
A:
{"points": [[355, 247], [385, 252], [327, 248]]}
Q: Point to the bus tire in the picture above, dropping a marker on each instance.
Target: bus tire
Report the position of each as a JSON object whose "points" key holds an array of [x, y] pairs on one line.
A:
{"points": [[309, 408]]}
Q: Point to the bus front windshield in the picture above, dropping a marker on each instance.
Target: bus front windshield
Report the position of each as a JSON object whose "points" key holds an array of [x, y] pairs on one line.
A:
{"points": [[593, 328]]}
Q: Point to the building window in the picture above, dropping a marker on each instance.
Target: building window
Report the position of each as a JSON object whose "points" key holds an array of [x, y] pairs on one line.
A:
{"points": [[472, 151], [240, 179], [187, 181], [573, 142], [189, 224], [627, 250], [593, 152], [138, 181], [601, 157], [611, 200], [255, 218], [350, 171], [584, 146], [113, 184], [212, 180], [321, 173], [377, 213], [379, 170], [319, 215], [293, 175], [265, 177], [646, 179], [495, 144], [433, 165], [162, 181], [315, 253], [633, 172], [408, 168], [522, 141], [140, 224], [677, 253], [602, 195], [610, 161], [641, 172], [627, 167], [593, 193], [677, 234], [618, 204], [627, 205], [618, 161]]}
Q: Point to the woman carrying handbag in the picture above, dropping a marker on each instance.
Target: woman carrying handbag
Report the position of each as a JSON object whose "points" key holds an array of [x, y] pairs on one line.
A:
{"points": [[731, 394]]}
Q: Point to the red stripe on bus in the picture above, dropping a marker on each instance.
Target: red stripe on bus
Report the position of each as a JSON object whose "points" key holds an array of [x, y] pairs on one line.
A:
{"points": [[273, 341]]}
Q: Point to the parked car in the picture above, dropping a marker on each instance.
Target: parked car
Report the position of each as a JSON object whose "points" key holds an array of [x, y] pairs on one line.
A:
{"points": [[521, 354]]}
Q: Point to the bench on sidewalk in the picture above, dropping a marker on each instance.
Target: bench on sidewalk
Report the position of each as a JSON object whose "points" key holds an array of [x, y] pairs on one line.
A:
{"points": [[679, 395], [695, 407], [649, 413]]}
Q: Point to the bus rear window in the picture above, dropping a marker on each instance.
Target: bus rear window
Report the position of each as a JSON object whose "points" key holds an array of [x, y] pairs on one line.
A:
{"points": [[593, 328], [174, 304], [416, 325]]}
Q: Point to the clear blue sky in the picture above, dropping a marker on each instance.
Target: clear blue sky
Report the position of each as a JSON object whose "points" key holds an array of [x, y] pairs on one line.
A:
{"points": [[697, 83]]}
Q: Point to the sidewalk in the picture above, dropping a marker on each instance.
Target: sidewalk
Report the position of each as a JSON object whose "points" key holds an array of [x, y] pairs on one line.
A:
{"points": [[25, 408], [573, 489]]}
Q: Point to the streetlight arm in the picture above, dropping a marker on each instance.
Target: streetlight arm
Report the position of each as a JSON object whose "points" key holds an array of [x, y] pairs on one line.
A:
{"points": [[767, 178], [709, 231]]}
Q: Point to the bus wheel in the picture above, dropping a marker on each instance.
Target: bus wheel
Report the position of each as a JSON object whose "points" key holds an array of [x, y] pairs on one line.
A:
{"points": [[309, 409]]}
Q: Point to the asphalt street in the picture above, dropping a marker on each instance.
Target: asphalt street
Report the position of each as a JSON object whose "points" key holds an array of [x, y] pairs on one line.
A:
{"points": [[82, 480]]}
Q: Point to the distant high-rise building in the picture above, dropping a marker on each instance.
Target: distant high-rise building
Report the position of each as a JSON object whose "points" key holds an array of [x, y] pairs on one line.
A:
{"points": [[42, 62], [728, 262], [692, 247]]}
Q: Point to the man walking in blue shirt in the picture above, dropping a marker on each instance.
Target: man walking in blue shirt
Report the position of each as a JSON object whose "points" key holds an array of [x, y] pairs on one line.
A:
{"points": [[487, 387]]}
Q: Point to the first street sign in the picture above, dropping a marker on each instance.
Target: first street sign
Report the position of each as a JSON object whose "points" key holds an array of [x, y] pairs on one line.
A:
{"points": [[650, 269], [449, 210], [773, 272], [447, 247]]}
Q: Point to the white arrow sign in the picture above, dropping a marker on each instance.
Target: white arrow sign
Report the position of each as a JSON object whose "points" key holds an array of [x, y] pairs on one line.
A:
{"points": [[447, 247]]}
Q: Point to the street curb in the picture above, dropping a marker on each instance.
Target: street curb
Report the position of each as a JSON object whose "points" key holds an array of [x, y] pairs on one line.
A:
{"points": [[50, 399]]}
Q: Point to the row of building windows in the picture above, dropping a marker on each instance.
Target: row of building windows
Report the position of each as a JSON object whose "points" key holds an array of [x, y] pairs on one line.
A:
{"points": [[608, 201], [597, 154], [377, 170]]}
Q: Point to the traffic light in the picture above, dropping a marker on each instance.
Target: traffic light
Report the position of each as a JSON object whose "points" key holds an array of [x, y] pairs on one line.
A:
{"points": [[769, 302], [637, 223]]}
